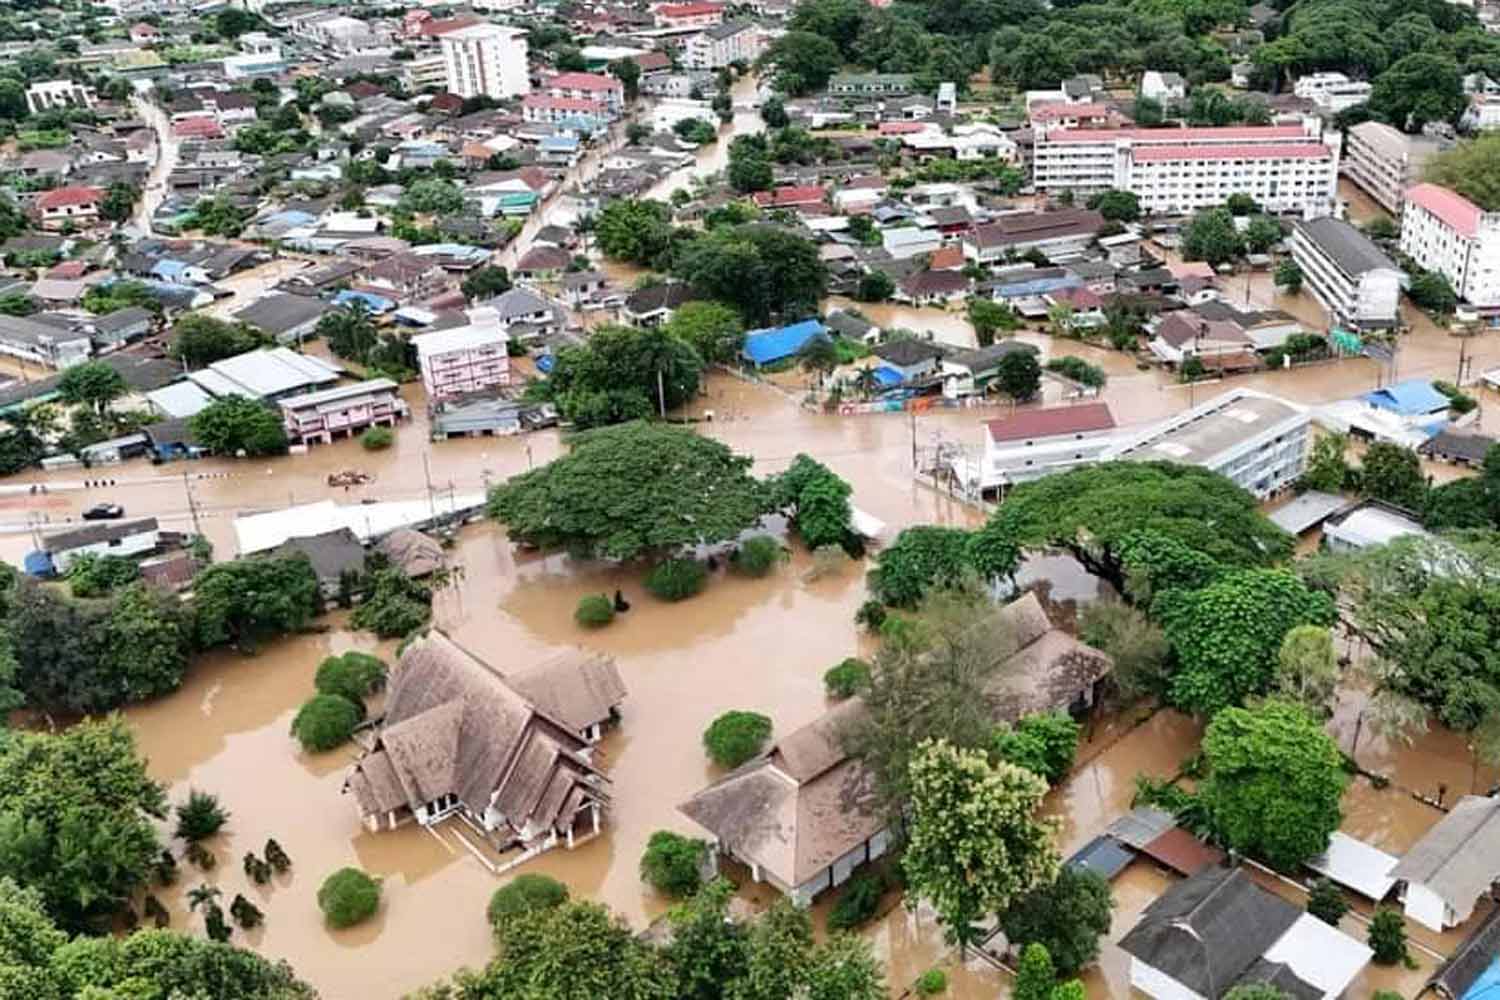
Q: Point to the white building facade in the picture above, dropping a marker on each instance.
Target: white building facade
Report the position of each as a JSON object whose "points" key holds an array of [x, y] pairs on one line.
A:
{"points": [[722, 45], [1358, 284], [486, 60], [1384, 162], [1445, 232], [1285, 168]]}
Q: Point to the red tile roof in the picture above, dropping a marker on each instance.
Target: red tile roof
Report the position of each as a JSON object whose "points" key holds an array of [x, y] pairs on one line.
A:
{"points": [[441, 26], [1228, 133], [582, 104], [689, 9], [902, 128], [791, 195], [197, 128], [652, 60], [1269, 151], [1455, 211], [1052, 421], [946, 259], [1058, 109], [584, 81], [64, 197]]}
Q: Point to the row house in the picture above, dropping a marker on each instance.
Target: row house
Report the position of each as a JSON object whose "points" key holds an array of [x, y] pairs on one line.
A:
{"points": [[1175, 171], [464, 359], [345, 410], [544, 110], [587, 86], [1443, 231]]}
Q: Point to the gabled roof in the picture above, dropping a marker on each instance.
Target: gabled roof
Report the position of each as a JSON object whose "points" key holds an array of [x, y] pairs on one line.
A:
{"points": [[1453, 209], [95, 532], [579, 687], [332, 553], [1052, 420], [1459, 858], [1464, 967], [70, 196], [1414, 397]]}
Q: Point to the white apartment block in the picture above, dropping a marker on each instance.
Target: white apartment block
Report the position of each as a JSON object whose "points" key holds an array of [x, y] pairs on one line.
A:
{"points": [[50, 94], [464, 359], [541, 109], [587, 87], [1384, 162], [486, 59], [1443, 231], [722, 45], [1257, 441], [1031, 444], [1357, 283], [428, 69], [1176, 171]]}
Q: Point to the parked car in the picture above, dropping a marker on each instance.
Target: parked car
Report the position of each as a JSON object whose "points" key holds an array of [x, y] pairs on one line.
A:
{"points": [[104, 512]]}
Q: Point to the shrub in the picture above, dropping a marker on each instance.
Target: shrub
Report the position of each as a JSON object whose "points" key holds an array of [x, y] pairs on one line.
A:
{"points": [[348, 896], [735, 737], [671, 863], [594, 611], [377, 438], [525, 894], [1044, 744], [757, 556], [676, 579], [931, 983], [1326, 902], [200, 817], [871, 615], [858, 902], [1388, 937], [325, 721], [847, 678], [352, 675]]}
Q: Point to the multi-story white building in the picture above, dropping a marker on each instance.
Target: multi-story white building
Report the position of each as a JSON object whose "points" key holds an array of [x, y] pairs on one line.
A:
{"points": [[1030, 444], [464, 359], [1257, 441], [1384, 162], [428, 69], [486, 60], [541, 109], [51, 94], [1357, 283], [1172, 171], [732, 41], [589, 87], [681, 16], [1443, 231]]}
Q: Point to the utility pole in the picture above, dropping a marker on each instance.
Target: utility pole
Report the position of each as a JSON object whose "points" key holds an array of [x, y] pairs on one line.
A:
{"points": [[187, 488], [914, 440], [427, 474], [661, 394], [1463, 350]]}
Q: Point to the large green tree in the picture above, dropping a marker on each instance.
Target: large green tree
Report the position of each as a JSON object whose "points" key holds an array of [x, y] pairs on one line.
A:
{"points": [[94, 384], [1275, 780], [639, 489], [1068, 915], [1472, 169], [1212, 237], [199, 339], [714, 330], [763, 272], [803, 62], [635, 230], [817, 501], [1090, 512], [246, 600], [624, 373], [1419, 88], [1227, 636], [233, 424], [975, 844], [1392, 473], [75, 819]]}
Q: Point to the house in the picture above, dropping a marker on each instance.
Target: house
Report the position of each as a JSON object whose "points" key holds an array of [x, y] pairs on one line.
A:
{"points": [[101, 538], [588, 86], [1030, 444], [906, 242], [342, 410], [967, 373], [1219, 929], [286, 317], [46, 338], [464, 359], [488, 412], [335, 556], [655, 304], [1256, 440], [1414, 403], [267, 374], [1056, 235], [1218, 343], [413, 553], [73, 205], [696, 14], [794, 196], [1460, 449], [768, 346], [1445, 873], [1369, 524], [581, 688], [913, 359], [802, 815], [115, 330], [583, 287], [1163, 87], [1470, 971], [1344, 270], [926, 288], [457, 737], [543, 263]]}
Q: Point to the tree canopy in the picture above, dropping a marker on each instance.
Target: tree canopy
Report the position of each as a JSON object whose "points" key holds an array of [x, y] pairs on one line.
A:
{"points": [[1472, 168], [232, 424], [764, 272], [637, 489], [624, 373], [246, 600]]}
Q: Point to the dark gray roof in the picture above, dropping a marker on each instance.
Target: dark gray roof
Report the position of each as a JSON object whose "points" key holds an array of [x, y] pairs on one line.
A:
{"points": [[95, 532], [847, 324], [1233, 922], [1464, 967], [122, 319], [906, 352], [664, 296], [1280, 976], [331, 553], [984, 358], [1346, 246], [280, 312], [1468, 447]]}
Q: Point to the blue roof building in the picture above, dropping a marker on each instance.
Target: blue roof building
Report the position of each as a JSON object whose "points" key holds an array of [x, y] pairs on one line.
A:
{"points": [[765, 347], [374, 303], [1413, 398]]}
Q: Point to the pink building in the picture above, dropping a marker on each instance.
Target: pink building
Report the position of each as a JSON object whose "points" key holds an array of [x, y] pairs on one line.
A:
{"points": [[464, 359], [588, 87], [319, 417], [689, 15]]}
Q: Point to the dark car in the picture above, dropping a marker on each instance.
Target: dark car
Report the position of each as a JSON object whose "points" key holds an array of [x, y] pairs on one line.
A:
{"points": [[104, 512]]}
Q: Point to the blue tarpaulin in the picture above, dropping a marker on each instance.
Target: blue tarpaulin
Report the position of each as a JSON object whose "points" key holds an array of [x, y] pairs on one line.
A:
{"points": [[764, 347], [545, 363], [886, 376], [38, 564], [372, 302]]}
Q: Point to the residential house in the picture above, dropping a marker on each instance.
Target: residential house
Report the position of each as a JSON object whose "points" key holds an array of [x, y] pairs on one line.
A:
{"points": [[1413, 402], [1369, 524], [457, 738], [1469, 972], [543, 263], [409, 277], [967, 373], [906, 242], [1162, 87], [46, 338], [334, 555], [932, 288], [464, 359], [655, 304], [768, 346], [1058, 235], [911, 359], [1353, 278], [1445, 873], [286, 317], [71, 206], [114, 330], [1033, 443], [1458, 448], [1256, 440], [524, 314], [588, 86], [1218, 929], [342, 410], [101, 538], [487, 413], [416, 554]]}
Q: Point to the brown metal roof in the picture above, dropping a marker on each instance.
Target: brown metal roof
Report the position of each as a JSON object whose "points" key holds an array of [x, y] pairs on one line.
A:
{"points": [[1051, 421], [1182, 852]]}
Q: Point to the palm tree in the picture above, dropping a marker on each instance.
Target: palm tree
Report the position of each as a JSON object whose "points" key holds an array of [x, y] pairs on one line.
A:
{"points": [[865, 382], [204, 895], [818, 356]]}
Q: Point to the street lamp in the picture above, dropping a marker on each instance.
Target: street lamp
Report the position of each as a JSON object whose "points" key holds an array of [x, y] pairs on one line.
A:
{"points": [[1192, 932]]}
